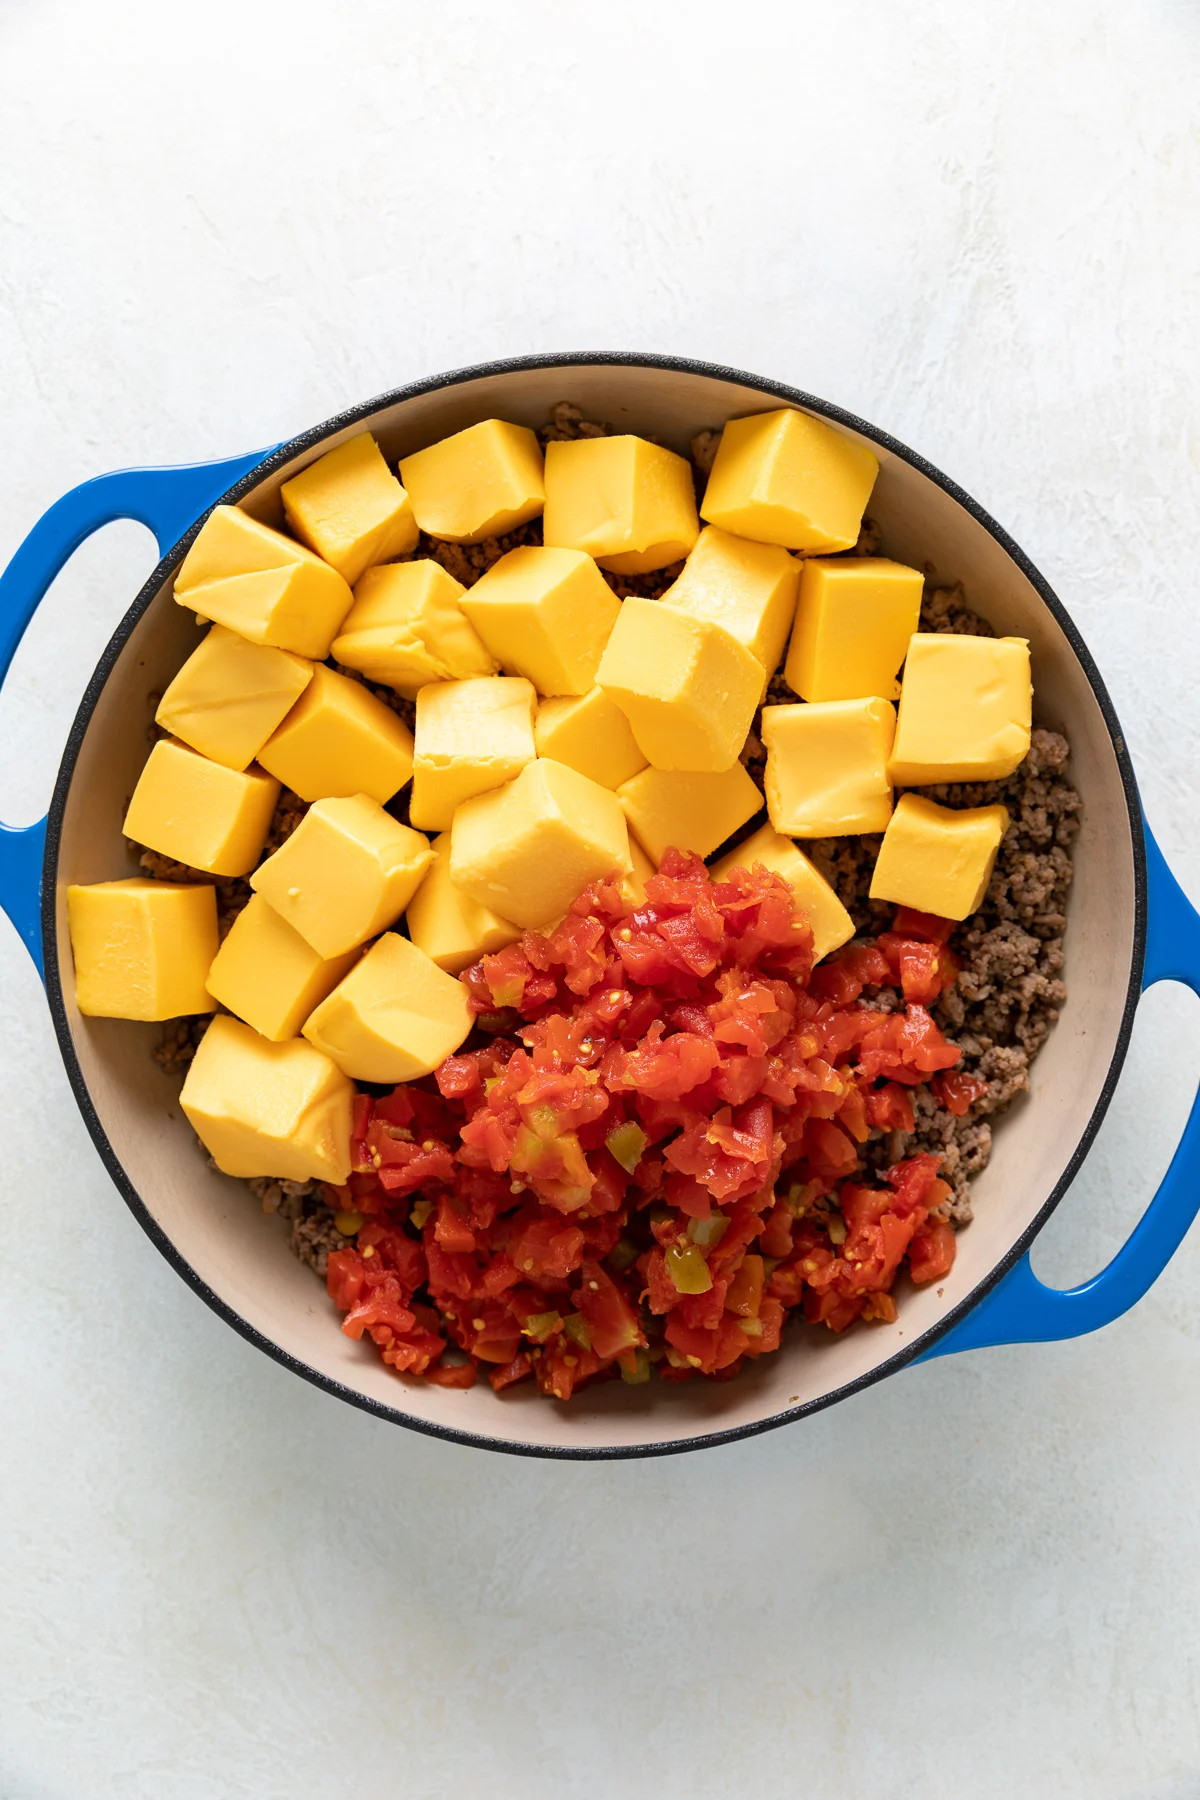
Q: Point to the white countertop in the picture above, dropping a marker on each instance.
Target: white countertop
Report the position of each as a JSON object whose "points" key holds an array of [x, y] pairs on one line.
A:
{"points": [[977, 228]]}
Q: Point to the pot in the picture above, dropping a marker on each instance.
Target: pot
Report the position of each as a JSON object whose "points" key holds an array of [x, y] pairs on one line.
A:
{"points": [[1129, 926]]}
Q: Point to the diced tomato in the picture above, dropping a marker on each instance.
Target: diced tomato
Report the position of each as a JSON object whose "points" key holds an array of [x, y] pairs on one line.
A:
{"points": [[931, 1254], [610, 1316], [958, 1091], [452, 1375], [909, 923], [745, 1290]]}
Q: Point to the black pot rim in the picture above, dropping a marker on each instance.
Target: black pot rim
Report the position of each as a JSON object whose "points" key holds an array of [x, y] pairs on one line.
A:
{"points": [[308, 440]]}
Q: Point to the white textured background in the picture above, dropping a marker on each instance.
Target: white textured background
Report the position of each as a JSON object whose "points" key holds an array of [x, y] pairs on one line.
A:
{"points": [[975, 225]]}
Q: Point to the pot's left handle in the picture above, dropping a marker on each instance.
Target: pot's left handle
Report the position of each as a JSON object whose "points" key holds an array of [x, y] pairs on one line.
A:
{"points": [[167, 501]]}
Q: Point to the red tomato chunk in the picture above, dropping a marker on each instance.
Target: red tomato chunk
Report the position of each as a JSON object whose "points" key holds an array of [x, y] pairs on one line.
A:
{"points": [[651, 1149]]}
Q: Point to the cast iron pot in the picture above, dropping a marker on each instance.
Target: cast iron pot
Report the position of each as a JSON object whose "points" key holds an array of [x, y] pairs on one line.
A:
{"points": [[1130, 926]]}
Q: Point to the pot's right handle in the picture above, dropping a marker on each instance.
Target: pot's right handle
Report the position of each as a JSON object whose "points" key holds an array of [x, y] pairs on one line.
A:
{"points": [[1023, 1310], [167, 501]]}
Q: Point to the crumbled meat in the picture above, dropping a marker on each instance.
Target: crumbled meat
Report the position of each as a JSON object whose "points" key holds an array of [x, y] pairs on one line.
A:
{"points": [[179, 1040], [312, 1233], [704, 448]]}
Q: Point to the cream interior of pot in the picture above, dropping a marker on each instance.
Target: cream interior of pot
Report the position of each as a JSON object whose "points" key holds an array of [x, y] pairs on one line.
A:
{"points": [[241, 1255]]}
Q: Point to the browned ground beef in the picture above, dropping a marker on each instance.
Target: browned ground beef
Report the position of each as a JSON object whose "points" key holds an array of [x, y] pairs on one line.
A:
{"points": [[1010, 988]]}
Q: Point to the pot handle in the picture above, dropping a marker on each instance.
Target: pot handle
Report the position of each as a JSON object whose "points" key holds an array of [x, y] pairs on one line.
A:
{"points": [[1023, 1310], [167, 501]]}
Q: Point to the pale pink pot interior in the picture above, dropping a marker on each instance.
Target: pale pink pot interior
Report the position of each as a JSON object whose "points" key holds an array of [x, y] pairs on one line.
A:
{"points": [[241, 1255]]}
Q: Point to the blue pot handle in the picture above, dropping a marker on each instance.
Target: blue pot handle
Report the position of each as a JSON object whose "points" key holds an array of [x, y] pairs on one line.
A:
{"points": [[168, 501], [1023, 1310]]}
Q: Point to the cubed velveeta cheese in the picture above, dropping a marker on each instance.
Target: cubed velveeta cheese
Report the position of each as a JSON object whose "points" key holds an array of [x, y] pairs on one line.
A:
{"points": [[692, 812], [452, 929], [407, 628], [854, 617], [686, 685], [528, 849], [479, 483], [268, 975], [966, 708], [545, 614], [633, 887], [142, 948], [748, 588], [826, 773], [787, 478], [339, 739], [831, 924], [470, 736], [588, 732], [347, 871], [269, 1109], [230, 695], [937, 859], [627, 502], [394, 1017], [199, 812], [262, 584], [350, 509]]}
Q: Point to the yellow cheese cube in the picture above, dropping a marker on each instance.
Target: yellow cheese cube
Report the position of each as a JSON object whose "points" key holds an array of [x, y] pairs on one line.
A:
{"points": [[142, 948], [629, 503], [686, 685], [530, 848], [826, 772], [693, 812], [831, 924], [748, 588], [230, 695], [269, 1109], [262, 584], [199, 812], [268, 975], [588, 732], [936, 859], [350, 509], [339, 739], [478, 484], [633, 887], [452, 929], [471, 736], [395, 1017], [545, 614], [407, 628], [966, 707], [787, 478], [854, 617], [347, 871]]}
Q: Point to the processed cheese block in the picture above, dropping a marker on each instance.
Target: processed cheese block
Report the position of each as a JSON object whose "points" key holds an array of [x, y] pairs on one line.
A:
{"points": [[633, 887], [854, 617], [686, 685], [395, 1017], [787, 478], [748, 588], [936, 859], [407, 628], [262, 584], [350, 509], [199, 812], [268, 975], [347, 871], [528, 849], [966, 708], [452, 929], [269, 1109], [693, 812], [339, 739], [826, 773], [629, 503], [230, 695], [545, 614], [479, 483], [588, 732], [831, 924], [142, 948], [470, 736]]}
